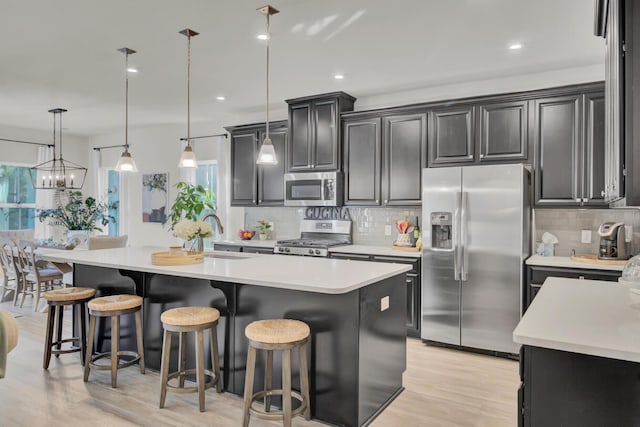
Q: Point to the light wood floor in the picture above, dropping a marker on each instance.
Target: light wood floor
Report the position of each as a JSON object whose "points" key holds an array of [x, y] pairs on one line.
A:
{"points": [[443, 388]]}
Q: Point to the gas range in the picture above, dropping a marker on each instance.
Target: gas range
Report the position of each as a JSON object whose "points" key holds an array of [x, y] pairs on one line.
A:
{"points": [[316, 237]]}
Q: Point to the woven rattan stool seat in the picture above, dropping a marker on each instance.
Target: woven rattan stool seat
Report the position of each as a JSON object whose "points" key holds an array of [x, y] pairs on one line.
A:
{"points": [[190, 316], [69, 294], [277, 331], [115, 302]]}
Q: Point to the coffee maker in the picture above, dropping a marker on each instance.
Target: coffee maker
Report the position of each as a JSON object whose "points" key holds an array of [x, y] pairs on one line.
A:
{"points": [[612, 241]]}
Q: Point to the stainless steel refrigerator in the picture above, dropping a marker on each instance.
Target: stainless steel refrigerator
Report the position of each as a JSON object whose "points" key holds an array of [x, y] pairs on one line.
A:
{"points": [[475, 236]]}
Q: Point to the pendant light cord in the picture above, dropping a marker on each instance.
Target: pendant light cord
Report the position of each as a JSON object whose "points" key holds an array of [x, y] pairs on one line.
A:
{"points": [[268, 37], [60, 133], [54, 137], [188, 89], [126, 102]]}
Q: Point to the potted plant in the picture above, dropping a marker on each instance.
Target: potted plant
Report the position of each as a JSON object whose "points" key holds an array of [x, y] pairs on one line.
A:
{"points": [[189, 204], [79, 213], [190, 201], [263, 228]]}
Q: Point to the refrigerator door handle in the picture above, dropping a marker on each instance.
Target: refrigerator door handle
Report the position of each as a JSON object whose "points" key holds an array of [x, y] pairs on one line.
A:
{"points": [[464, 217], [456, 237]]}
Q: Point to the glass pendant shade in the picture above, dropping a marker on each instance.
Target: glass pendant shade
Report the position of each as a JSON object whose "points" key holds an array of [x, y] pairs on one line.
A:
{"points": [[188, 158], [267, 154], [126, 163], [58, 173]]}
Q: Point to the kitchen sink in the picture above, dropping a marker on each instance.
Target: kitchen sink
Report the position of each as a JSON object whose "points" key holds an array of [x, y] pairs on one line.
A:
{"points": [[227, 255]]}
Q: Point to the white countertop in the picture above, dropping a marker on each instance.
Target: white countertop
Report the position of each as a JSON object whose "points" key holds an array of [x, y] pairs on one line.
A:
{"points": [[565, 261], [374, 250], [583, 316], [323, 275]]}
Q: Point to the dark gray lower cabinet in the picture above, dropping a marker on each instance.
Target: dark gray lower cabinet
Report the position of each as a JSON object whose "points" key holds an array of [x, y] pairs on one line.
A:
{"points": [[560, 388], [536, 275], [412, 282]]}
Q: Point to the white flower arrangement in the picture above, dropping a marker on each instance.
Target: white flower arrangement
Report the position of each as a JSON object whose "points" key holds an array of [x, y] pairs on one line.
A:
{"points": [[188, 229]]}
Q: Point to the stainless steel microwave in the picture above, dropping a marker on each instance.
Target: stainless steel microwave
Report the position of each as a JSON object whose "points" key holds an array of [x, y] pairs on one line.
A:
{"points": [[313, 189]]}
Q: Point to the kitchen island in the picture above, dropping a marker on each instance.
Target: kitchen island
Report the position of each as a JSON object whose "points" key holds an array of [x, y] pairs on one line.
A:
{"points": [[580, 355], [356, 312]]}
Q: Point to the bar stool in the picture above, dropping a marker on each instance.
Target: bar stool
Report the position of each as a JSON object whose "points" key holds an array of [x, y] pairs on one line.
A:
{"points": [[57, 299], [270, 335], [114, 306], [183, 320]]}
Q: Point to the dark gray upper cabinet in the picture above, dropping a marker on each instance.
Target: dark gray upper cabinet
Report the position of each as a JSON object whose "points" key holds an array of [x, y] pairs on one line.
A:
{"points": [[405, 146], [314, 132], [451, 136], [244, 143], [569, 141], [362, 161], [557, 136], [383, 159], [594, 148], [252, 184], [271, 177], [502, 131]]}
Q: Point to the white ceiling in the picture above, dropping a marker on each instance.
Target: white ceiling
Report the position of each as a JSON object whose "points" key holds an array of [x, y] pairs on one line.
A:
{"points": [[63, 53]]}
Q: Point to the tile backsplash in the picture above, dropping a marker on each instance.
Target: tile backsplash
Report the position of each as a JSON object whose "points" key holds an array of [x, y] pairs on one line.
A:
{"points": [[567, 224], [368, 223]]}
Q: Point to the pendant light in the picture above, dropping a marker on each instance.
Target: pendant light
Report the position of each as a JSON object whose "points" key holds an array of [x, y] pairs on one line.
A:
{"points": [[267, 154], [57, 174], [126, 162], [188, 158]]}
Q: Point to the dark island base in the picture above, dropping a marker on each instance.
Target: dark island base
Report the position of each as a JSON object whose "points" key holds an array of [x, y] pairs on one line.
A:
{"points": [[357, 352], [561, 388]]}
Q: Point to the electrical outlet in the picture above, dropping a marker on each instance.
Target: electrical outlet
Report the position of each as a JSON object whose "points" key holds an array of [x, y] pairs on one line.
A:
{"points": [[384, 303], [628, 233], [586, 236], [273, 226], [387, 230]]}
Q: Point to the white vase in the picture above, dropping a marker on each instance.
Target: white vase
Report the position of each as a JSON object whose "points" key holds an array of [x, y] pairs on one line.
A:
{"points": [[81, 236], [263, 236]]}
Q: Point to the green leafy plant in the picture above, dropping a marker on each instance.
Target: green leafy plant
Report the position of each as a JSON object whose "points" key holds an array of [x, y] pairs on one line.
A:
{"points": [[190, 201], [263, 226], [78, 213]]}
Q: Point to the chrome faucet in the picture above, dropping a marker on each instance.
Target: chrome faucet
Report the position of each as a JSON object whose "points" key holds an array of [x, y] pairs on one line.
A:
{"points": [[218, 223]]}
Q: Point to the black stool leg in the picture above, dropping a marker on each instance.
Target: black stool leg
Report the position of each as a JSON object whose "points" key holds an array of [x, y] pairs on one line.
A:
{"points": [[49, 337], [60, 309]]}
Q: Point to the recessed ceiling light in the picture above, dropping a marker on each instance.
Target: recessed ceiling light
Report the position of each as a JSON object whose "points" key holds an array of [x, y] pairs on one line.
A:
{"points": [[515, 46], [221, 98], [338, 76], [262, 36], [132, 70]]}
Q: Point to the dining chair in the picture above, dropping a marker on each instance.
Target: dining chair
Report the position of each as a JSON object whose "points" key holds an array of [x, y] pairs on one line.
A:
{"points": [[107, 242], [35, 278], [8, 273], [11, 260]]}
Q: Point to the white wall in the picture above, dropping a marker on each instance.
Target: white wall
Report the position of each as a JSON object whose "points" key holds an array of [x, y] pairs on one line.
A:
{"points": [[158, 149]]}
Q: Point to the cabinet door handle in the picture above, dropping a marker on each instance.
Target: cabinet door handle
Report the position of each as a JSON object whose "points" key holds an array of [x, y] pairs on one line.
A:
{"points": [[260, 201], [386, 201], [481, 155], [578, 199], [585, 200], [377, 200], [602, 193]]}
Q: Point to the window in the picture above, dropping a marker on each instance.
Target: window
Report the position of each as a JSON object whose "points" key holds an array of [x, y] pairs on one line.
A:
{"points": [[207, 176], [17, 198], [113, 198]]}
